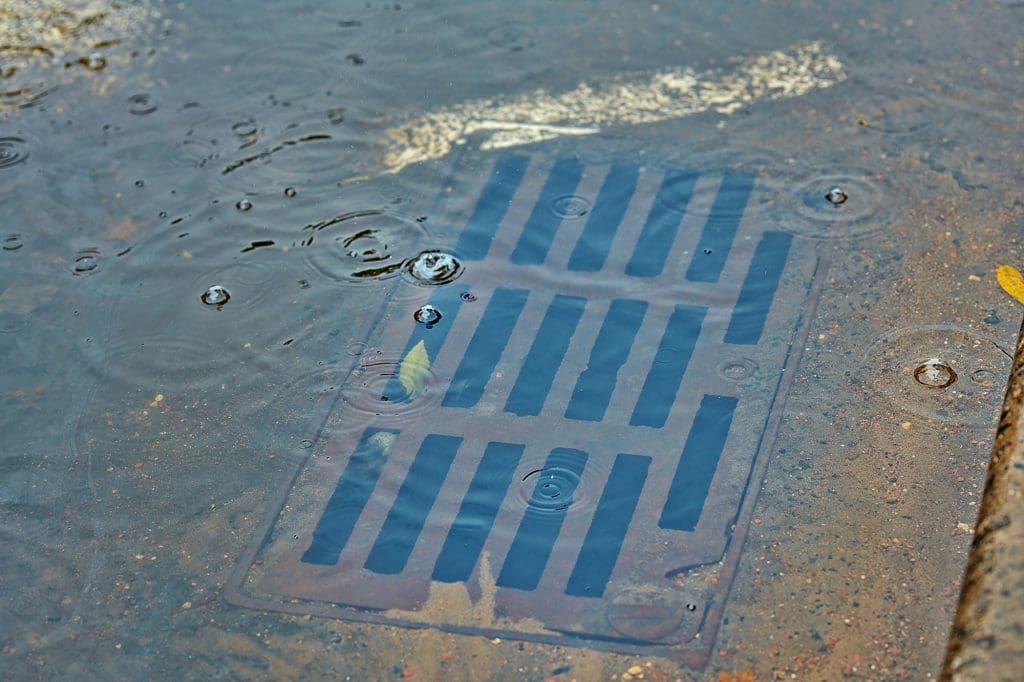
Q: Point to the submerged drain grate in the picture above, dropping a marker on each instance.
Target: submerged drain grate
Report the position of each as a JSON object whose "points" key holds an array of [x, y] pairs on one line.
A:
{"points": [[567, 450]]}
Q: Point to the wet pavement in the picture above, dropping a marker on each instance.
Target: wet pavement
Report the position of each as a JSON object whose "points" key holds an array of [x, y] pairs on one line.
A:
{"points": [[227, 231]]}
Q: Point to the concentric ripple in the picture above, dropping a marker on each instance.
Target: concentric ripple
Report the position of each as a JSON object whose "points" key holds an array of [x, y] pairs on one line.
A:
{"points": [[375, 390], [13, 151], [361, 245], [207, 143], [280, 74], [243, 284], [836, 204], [942, 373], [433, 267], [299, 151], [556, 484]]}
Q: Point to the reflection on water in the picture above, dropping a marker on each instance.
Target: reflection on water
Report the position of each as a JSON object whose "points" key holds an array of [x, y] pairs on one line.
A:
{"points": [[578, 328]]}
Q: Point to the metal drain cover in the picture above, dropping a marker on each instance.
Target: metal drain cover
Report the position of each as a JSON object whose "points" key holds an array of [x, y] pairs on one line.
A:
{"points": [[566, 443]]}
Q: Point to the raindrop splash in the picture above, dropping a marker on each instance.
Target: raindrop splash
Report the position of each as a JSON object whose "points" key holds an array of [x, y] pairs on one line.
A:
{"points": [[141, 104], [737, 369], [366, 246], [570, 206], [86, 261], [216, 296], [336, 115], [934, 374], [836, 196], [245, 128], [428, 316], [433, 267]]}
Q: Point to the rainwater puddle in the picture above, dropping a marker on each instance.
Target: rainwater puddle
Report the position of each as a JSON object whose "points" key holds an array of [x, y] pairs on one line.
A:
{"points": [[680, 359]]}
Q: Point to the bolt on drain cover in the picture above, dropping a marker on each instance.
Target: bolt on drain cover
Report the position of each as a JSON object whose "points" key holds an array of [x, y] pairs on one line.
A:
{"points": [[567, 448]]}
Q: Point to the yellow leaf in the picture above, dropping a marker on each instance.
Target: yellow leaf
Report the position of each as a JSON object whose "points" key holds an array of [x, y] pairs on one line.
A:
{"points": [[415, 369], [1011, 281]]}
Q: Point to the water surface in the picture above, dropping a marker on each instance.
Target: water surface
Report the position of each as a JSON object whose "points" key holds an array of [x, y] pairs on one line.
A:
{"points": [[773, 227]]}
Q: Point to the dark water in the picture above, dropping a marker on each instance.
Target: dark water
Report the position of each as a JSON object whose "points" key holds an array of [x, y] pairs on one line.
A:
{"points": [[319, 322]]}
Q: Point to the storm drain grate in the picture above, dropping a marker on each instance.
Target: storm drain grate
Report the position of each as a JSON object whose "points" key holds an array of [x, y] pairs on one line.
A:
{"points": [[565, 445]]}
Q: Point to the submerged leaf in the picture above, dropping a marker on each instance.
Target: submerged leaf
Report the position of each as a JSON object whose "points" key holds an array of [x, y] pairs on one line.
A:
{"points": [[1011, 281], [414, 369]]}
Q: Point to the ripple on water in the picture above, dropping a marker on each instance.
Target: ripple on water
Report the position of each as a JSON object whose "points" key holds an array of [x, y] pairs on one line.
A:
{"points": [[570, 207], [153, 388], [235, 286], [266, 149], [297, 149], [221, 273], [13, 151], [206, 143], [836, 204], [557, 483], [141, 104], [282, 74], [433, 267], [361, 246], [215, 296], [12, 322], [148, 365], [738, 370], [947, 374], [86, 261], [376, 391]]}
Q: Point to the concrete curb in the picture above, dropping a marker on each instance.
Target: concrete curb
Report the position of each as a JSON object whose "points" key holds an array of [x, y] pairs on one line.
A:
{"points": [[987, 639]]}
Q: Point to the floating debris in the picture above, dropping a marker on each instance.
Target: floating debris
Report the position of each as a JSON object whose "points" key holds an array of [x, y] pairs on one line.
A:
{"points": [[1011, 281]]}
